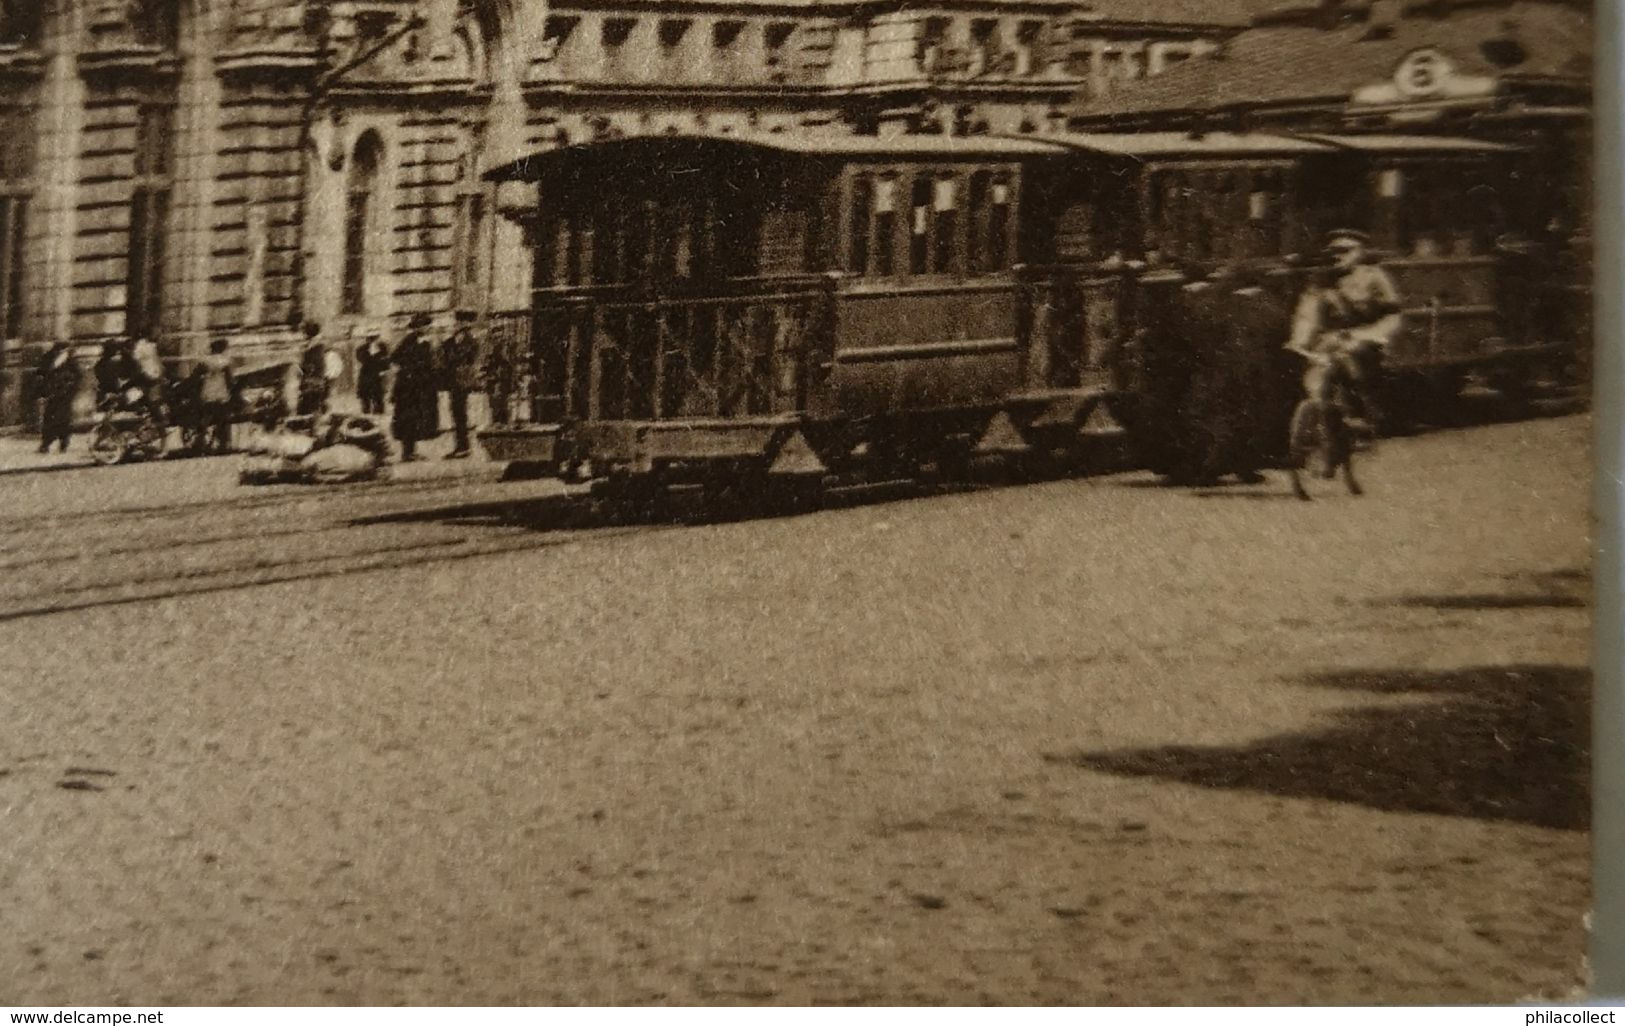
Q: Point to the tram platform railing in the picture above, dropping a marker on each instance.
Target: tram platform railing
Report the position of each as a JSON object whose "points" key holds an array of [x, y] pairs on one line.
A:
{"points": [[748, 347]]}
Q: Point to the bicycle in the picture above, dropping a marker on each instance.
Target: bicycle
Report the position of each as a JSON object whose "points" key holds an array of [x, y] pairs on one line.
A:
{"points": [[1321, 444], [127, 429]]}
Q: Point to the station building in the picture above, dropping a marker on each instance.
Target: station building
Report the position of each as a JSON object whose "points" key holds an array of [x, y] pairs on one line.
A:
{"points": [[187, 169]]}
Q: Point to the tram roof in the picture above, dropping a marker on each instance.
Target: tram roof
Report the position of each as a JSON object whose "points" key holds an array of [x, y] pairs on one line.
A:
{"points": [[975, 147], [1418, 144], [1144, 145]]}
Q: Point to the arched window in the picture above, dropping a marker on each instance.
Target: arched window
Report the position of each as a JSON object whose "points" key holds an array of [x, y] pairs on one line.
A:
{"points": [[16, 184], [360, 203], [149, 218]]}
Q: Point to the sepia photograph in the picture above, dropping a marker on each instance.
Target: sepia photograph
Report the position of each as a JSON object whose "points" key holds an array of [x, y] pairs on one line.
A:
{"points": [[797, 502]]}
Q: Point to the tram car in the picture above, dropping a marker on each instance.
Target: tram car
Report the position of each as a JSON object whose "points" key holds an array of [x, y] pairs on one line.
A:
{"points": [[799, 304], [783, 304]]}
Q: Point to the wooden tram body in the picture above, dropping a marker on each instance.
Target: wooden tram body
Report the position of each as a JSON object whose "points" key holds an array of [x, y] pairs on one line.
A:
{"points": [[798, 304], [775, 304]]}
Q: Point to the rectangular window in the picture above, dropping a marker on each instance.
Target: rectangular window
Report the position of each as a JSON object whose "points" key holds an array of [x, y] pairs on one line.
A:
{"points": [[945, 225], [356, 213], [17, 144], [13, 221], [977, 217], [149, 220], [919, 225], [470, 240], [984, 57], [863, 198], [931, 44], [885, 222], [1029, 36], [998, 226], [149, 213]]}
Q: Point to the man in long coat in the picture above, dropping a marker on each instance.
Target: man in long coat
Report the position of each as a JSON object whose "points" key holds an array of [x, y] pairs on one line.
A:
{"points": [[58, 384], [372, 362], [313, 383], [416, 396], [459, 359]]}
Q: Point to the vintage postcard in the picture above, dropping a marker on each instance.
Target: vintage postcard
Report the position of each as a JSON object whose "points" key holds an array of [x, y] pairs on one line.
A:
{"points": [[791, 502]]}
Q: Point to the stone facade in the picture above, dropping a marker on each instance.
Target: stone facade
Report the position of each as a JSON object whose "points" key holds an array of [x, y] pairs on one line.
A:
{"points": [[188, 169]]}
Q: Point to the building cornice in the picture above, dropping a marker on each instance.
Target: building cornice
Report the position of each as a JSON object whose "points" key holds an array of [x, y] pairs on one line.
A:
{"points": [[449, 91], [240, 64], [840, 9], [128, 67], [17, 63]]}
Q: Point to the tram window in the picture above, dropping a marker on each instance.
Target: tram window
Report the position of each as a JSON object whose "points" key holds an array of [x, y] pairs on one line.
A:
{"points": [[1265, 205], [571, 253], [998, 225], [606, 245], [636, 263], [863, 202], [944, 224], [977, 215], [885, 225], [919, 226]]}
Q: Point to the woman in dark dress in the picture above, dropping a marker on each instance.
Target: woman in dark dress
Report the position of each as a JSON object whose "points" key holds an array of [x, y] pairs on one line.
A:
{"points": [[416, 395], [59, 383]]}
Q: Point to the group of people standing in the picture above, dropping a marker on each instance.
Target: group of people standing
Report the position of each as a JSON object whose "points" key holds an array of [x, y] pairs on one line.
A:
{"points": [[460, 368], [129, 374]]}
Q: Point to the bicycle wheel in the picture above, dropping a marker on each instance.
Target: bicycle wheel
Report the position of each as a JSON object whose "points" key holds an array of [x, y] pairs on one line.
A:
{"points": [[109, 444], [151, 437], [1320, 450]]}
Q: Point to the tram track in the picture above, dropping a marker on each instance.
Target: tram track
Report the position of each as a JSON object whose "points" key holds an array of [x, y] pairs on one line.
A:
{"points": [[152, 587], [281, 497]]}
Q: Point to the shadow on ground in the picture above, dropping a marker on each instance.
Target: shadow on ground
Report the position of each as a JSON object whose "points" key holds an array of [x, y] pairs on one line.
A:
{"points": [[1556, 589], [583, 511], [1498, 743]]}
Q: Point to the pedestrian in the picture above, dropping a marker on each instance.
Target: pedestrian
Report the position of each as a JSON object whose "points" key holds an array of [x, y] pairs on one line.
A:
{"points": [[114, 369], [501, 374], [372, 360], [58, 384], [415, 397], [312, 372], [459, 376], [216, 391], [145, 354], [1230, 403], [149, 368]]}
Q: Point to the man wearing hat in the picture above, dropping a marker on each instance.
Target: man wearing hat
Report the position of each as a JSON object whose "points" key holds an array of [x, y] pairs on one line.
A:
{"points": [[459, 370], [1348, 319], [372, 361], [417, 401], [313, 383]]}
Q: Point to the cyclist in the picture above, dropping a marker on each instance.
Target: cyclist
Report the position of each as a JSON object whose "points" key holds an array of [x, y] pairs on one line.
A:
{"points": [[1344, 324]]}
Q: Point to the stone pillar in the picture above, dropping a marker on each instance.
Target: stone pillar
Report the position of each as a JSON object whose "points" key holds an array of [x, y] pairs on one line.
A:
{"points": [[505, 141], [53, 213], [197, 129]]}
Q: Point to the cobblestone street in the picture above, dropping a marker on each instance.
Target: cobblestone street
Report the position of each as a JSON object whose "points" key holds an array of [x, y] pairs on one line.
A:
{"points": [[448, 740]]}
